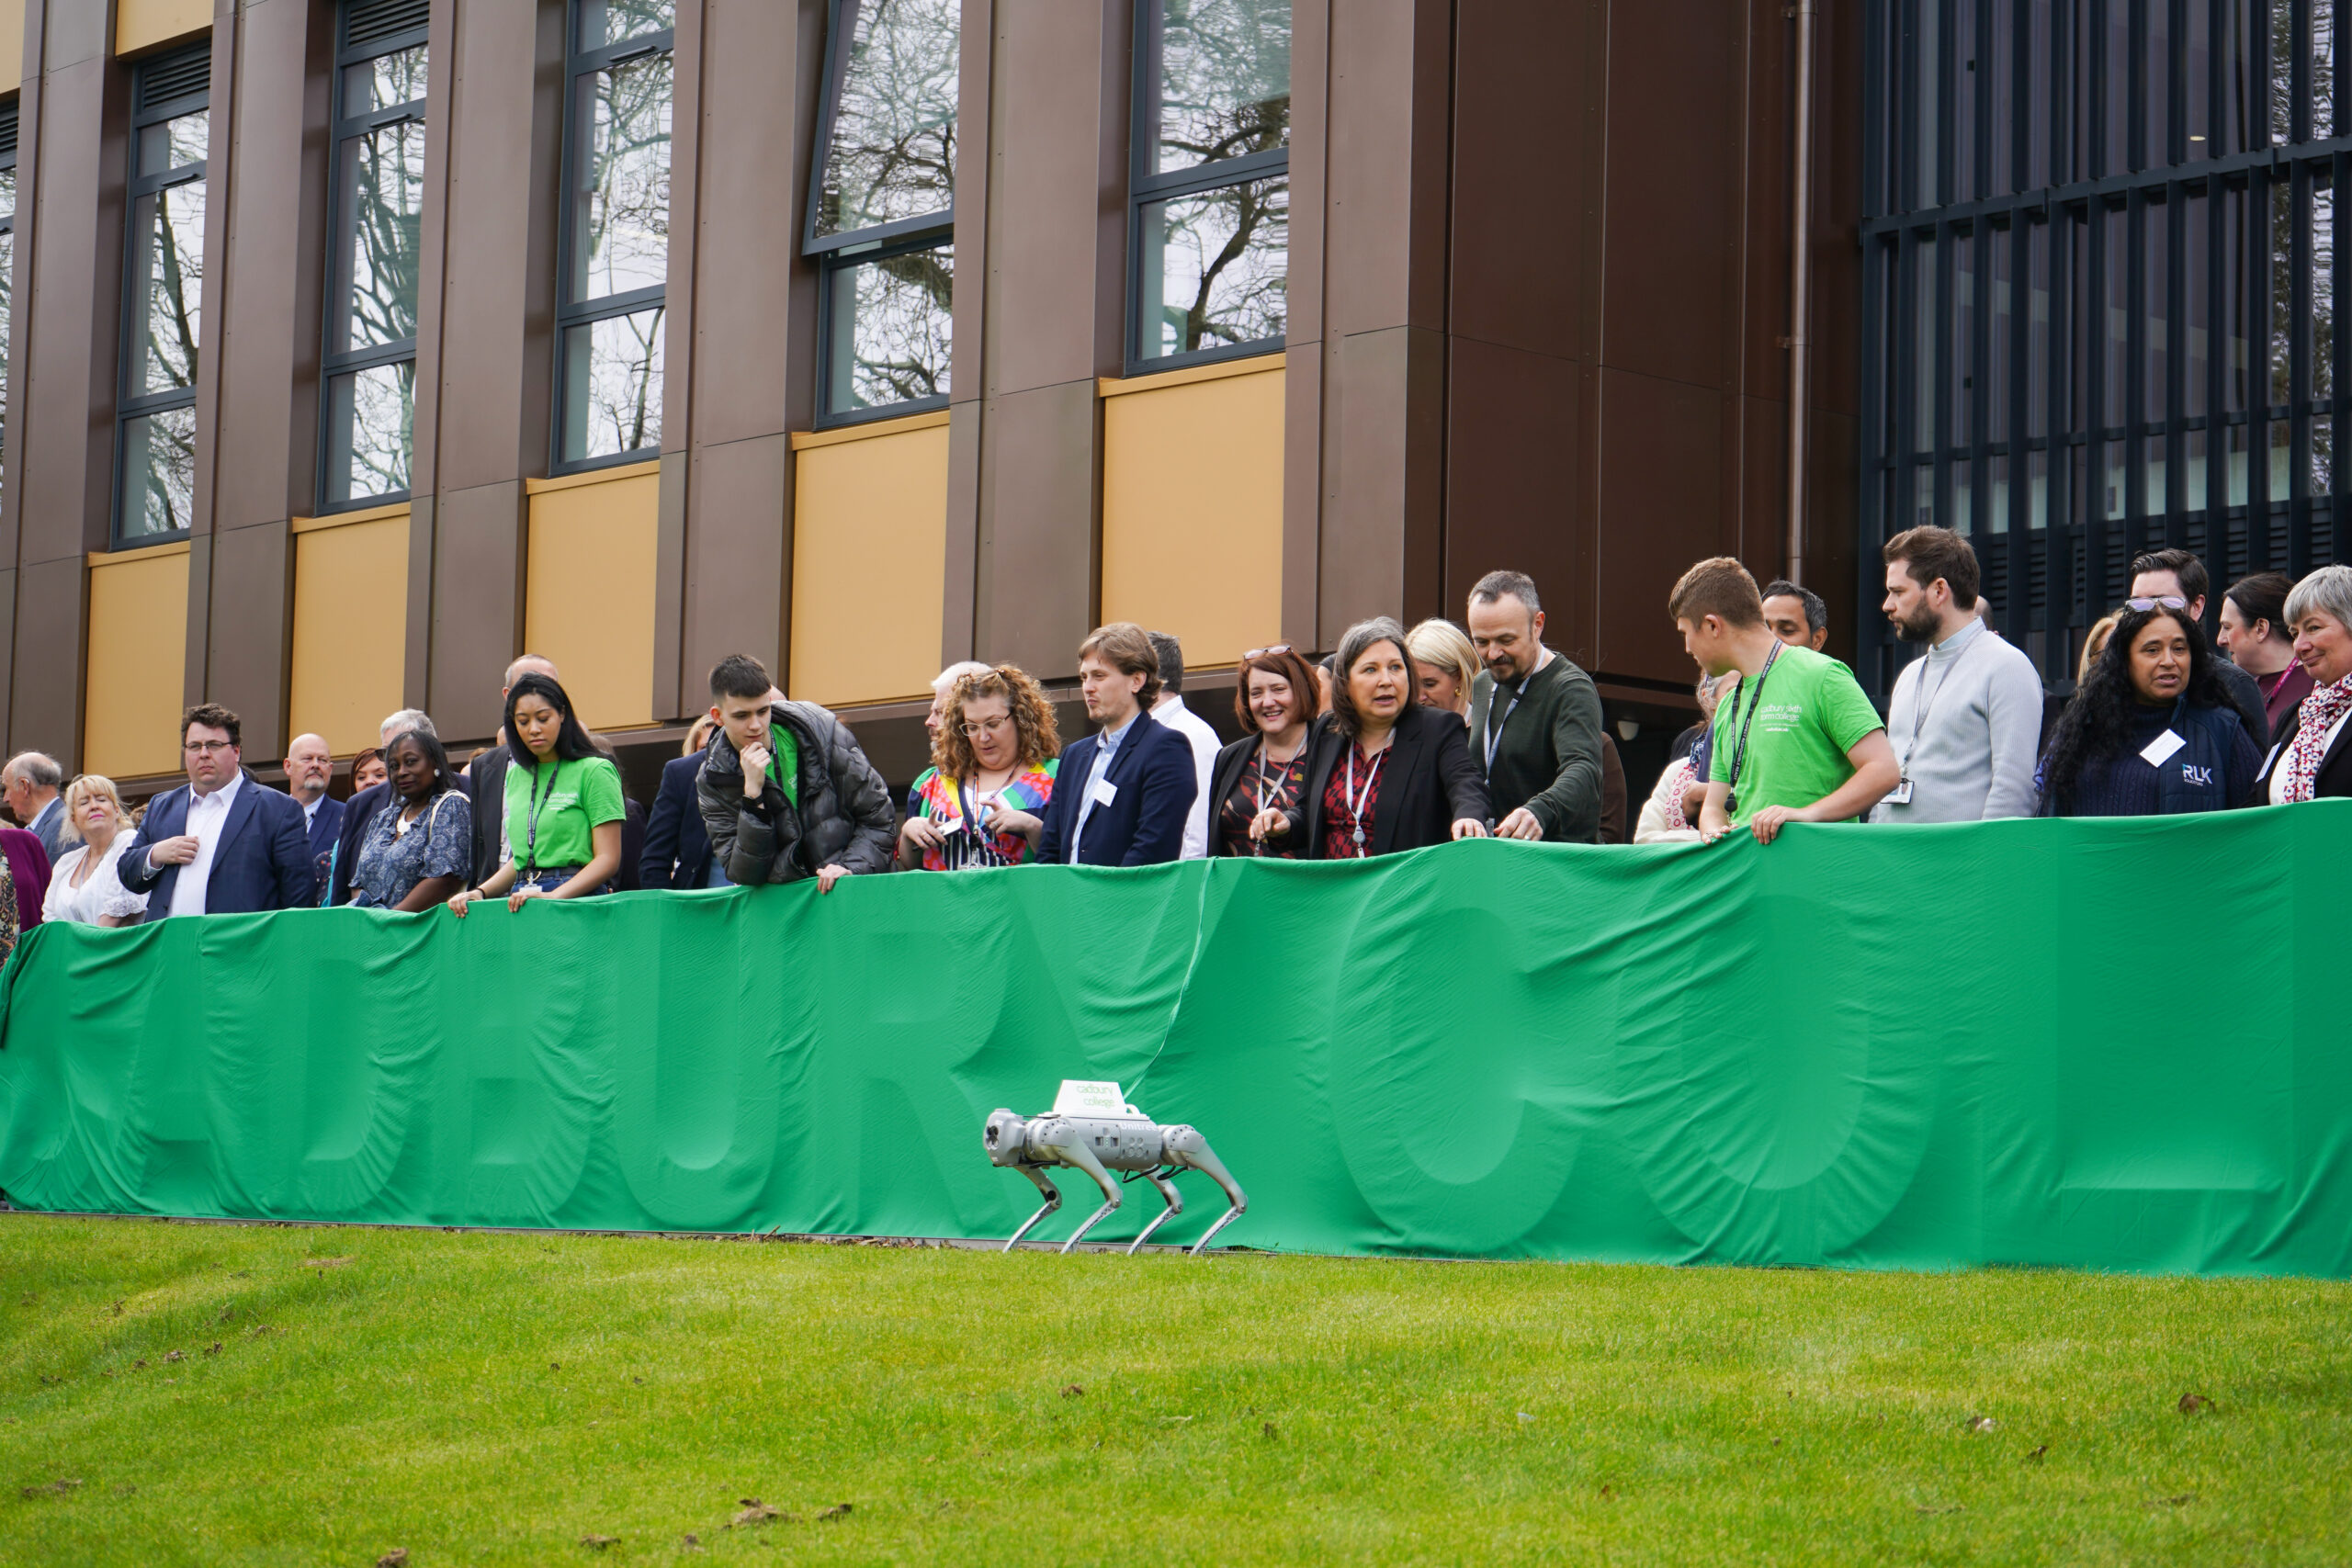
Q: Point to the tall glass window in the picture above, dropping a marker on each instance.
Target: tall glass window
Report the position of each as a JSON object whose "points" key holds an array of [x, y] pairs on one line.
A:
{"points": [[2167, 209], [163, 298], [882, 208], [1211, 184], [7, 261], [615, 232], [375, 247]]}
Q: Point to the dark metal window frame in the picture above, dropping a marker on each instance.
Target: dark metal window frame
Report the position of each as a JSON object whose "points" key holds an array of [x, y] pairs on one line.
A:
{"points": [[836, 254], [332, 363], [130, 404], [1145, 188], [570, 313], [2049, 582]]}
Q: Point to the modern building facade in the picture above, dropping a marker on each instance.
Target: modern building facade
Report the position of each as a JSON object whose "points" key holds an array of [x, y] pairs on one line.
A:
{"points": [[354, 346]]}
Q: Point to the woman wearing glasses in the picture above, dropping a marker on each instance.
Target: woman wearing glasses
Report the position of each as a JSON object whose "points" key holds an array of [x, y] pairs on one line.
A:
{"points": [[2152, 732], [1275, 701], [982, 802]]}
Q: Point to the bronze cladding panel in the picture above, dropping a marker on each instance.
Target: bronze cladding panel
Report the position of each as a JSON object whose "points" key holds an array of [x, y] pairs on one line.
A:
{"points": [[1383, 479], [967, 380], [1303, 385], [59, 746], [45, 706], [253, 611], [731, 604], [1672, 211], [1664, 500], [1040, 553], [477, 603], [1517, 492]]}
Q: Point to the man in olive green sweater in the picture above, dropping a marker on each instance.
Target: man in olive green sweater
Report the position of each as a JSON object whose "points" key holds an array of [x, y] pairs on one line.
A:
{"points": [[1534, 720]]}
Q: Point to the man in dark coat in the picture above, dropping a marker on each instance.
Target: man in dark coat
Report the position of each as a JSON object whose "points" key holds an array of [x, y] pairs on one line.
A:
{"points": [[1534, 720], [783, 792]]}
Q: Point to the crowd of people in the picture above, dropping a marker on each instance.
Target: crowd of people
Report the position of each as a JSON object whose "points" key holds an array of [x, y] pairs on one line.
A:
{"points": [[1397, 740]]}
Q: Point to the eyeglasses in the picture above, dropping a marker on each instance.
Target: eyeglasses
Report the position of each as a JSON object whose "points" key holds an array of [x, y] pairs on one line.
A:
{"points": [[2166, 602], [1262, 652], [205, 747], [986, 727]]}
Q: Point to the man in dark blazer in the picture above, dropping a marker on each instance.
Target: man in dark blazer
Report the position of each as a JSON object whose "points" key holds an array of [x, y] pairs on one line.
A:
{"points": [[677, 845], [1122, 794], [224, 843], [309, 765]]}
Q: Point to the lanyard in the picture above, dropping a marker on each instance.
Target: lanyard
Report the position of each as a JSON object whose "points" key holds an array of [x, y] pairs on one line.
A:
{"points": [[1756, 700], [1265, 798], [531, 821], [1495, 725], [1920, 714], [1356, 803]]}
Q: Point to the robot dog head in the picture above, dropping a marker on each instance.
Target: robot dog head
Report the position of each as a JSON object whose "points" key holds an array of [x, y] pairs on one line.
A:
{"points": [[1006, 1137]]}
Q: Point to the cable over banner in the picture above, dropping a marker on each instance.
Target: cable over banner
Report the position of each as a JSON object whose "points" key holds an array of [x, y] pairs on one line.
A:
{"points": [[2108, 1045]]}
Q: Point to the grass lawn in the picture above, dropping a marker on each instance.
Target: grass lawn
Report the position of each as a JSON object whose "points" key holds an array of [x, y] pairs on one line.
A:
{"points": [[231, 1395]]}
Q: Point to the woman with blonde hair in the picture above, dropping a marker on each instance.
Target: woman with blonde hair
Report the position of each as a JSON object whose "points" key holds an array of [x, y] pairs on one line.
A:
{"points": [[84, 890], [1447, 664], [994, 756]]}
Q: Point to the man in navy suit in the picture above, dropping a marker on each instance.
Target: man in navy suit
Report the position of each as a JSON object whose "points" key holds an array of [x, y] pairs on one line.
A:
{"points": [[226, 844], [1122, 794], [309, 766], [677, 846]]}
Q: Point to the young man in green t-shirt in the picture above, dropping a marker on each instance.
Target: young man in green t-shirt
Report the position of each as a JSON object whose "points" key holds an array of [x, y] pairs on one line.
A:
{"points": [[1797, 741]]}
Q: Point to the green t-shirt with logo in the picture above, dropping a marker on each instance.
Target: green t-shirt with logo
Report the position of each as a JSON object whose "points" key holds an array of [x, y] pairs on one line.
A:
{"points": [[1810, 711], [569, 801]]}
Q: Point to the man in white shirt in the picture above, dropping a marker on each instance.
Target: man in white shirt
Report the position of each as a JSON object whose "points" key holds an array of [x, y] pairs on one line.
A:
{"points": [[1965, 721], [1171, 711], [222, 844]]}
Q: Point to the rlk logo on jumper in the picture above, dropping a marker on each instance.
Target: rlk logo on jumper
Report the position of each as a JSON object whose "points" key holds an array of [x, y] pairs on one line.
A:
{"points": [[2202, 777]]}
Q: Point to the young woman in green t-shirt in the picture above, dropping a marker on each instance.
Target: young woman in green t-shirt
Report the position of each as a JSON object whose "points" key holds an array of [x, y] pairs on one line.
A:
{"points": [[563, 805]]}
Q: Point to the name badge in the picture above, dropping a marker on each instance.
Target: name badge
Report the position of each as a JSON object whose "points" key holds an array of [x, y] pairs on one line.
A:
{"points": [[1105, 793], [1900, 794], [2157, 751]]}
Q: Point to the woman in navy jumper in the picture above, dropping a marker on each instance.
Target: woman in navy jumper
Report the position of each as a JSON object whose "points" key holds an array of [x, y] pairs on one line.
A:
{"points": [[2151, 731]]}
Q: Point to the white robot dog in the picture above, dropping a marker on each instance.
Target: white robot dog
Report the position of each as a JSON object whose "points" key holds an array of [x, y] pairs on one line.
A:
{"points": [[1094, 1129]]}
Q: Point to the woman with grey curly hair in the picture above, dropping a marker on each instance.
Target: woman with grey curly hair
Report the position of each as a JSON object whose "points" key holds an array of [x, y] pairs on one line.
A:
{"points": [[2309, 759]]}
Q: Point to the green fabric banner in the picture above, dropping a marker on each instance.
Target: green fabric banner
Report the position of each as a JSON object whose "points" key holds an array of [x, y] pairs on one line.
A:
{"points": [[2111, 1045]]}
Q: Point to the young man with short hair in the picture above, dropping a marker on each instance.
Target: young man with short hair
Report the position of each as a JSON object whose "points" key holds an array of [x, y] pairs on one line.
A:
{"points": [[1796, 741], [785, 792], [1122, 794], [1534, 720], [1798, 616], [2180, 576], [1965, 720], [221, 843]]}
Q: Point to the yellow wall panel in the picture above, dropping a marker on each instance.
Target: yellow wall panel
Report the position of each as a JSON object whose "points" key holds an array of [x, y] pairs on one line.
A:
{"points": [[350, 619], [12, 45], [589, 603], [143, 24], [869, 526], [1193, 513], [134, 679]]}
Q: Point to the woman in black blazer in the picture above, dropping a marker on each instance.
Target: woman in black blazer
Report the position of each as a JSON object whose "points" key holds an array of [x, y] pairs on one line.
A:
{"points": [[1274, 698], [1383, 773]]}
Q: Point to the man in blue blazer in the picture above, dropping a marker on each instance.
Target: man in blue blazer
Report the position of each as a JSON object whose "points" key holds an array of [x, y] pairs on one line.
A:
{"points": [[225, 843], [1121, 794], [677, 845], [309, 765]]}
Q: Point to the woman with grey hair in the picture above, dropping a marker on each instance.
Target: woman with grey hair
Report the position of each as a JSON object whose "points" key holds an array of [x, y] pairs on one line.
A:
{"points": [[2309, 757], [1385, 772]]}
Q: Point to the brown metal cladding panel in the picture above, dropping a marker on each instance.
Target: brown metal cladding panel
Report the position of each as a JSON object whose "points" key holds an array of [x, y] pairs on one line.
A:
{"points": [[737, 589], [1835, 565], [46, 666], [672, 692], [1763, 500], [1518, 257], [1385, 201], [64, 460], [1764, 150], [1040, 551], [490, 415], [221, 182], [267, 341], [1302, 494], [1382, 477], [1045, 230], [1515, 488], [434, 255], [196, 649], [976, 64], [1836, 238], [45, 701], [960, 588], [477, 603], [748, 372], [1310, 143], [253, 596], [1672, 214], [1662, 507]]}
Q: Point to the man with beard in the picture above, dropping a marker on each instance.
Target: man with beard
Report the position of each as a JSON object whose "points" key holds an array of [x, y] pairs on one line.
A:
{"points": [[1966, 719], [1534, 720]]}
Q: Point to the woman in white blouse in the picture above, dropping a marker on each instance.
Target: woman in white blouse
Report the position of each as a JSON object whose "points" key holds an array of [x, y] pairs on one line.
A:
{"points": [[83, 888]]}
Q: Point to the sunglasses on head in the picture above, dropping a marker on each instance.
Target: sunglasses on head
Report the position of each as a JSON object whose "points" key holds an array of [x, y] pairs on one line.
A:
{"points": [[2167, 603], [1262, 652]]}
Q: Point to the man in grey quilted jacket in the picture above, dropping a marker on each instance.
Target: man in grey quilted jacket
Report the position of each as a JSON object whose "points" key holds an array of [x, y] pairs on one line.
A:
{"points": [[783, 790]]}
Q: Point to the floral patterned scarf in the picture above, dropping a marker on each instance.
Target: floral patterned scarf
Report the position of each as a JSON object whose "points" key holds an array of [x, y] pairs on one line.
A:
{"points": [[2318, 713]]}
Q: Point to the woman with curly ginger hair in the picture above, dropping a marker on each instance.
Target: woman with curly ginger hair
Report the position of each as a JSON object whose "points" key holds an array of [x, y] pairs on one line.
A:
{"points": [[994, 758]]}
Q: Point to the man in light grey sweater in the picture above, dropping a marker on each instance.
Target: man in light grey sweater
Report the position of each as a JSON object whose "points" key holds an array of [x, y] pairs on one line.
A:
{"points": [[1966, 719]]}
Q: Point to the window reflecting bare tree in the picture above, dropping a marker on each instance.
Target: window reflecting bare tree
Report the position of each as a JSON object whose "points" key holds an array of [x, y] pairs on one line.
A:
{"points": [[892, 155], [621, 214], [379, 250], [1224, 81], [894, 329], [1217, 268]]}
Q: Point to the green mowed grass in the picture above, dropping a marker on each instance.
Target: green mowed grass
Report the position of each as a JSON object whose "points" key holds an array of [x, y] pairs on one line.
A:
{"points": [[231, 1395]]}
